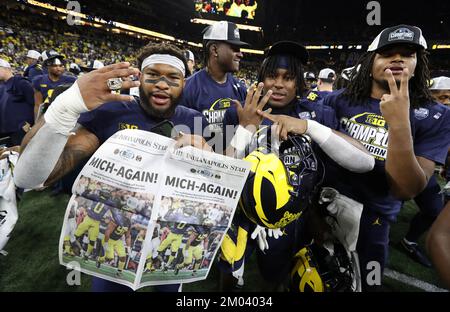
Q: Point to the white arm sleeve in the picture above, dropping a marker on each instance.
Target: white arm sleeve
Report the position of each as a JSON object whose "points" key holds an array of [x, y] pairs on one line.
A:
{"points": [[39, 158], [341, 151], [240, 141], [44, 149]]}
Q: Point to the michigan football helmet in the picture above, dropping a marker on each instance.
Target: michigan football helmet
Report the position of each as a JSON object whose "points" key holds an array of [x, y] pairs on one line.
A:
{"points": [[280, 187], [318, 269]]}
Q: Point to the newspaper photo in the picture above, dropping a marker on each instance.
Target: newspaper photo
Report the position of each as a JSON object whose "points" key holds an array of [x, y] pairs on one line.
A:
{"points": [[143, 213]]}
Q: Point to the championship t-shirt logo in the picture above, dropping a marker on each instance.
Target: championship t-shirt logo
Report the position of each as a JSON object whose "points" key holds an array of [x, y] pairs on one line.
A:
{"points": [[304, 115], [369, 129], [421, 113], [216, 112]]}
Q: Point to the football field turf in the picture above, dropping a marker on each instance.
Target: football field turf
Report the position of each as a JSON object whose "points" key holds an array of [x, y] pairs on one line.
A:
{"points": [[32, 263]]}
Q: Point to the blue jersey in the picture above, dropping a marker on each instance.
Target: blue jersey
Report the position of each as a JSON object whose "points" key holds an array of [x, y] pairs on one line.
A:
{"points": [[430, 126], [317, 96], [33, 71], [111, 117], [211, 98], [123, 224], [201, 234], [16, 104], [182, 222], [46, 86], [97, 210]]}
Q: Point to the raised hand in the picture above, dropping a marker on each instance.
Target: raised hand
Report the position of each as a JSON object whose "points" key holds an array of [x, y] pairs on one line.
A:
{"points": [[285, 124], [395, 106], [94, 89], [247, 114]]}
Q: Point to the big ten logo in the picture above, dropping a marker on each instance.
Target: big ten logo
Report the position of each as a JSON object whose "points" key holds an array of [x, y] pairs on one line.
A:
{"points": [[74, 276], [123, 126], [376, 120], [374, 273], [374, 16], [73, 13]]}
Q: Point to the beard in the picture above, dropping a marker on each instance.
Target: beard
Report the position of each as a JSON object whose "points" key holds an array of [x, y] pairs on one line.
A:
{"points": [[154, 112]]}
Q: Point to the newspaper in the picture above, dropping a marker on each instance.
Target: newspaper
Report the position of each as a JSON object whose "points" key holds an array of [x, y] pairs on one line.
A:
{"points": [[143, 213]]}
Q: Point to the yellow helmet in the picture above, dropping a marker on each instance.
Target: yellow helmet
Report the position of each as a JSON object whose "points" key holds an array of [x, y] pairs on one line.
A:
{"points": [[280, 187], [305, 274], [318, 270]]}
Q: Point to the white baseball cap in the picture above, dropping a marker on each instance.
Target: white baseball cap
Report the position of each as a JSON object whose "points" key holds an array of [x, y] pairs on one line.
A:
{"points": [[224, 31], [33, 54], [309, 75], [189, 55], [4, 63], [327, 74], [440, 83], [97, 64]]}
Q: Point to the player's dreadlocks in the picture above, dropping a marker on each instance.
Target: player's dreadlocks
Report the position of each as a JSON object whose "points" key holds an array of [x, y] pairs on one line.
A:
{"points": [[161, 48], [270, 65], [360, 87]]}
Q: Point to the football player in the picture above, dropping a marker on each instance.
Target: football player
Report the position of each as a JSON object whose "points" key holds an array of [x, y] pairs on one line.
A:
{"points": [[119, 226], [45, 84], [173, 241], [194, 249], [91, 225]]}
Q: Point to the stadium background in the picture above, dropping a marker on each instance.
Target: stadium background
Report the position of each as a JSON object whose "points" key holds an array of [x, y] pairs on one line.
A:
{"points": [[335, 33]]}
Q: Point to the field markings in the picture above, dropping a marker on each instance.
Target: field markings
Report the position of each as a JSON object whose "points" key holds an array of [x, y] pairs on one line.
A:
{"points": [[409, 280]]}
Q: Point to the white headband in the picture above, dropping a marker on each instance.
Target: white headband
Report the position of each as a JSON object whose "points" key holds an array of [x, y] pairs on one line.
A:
{"points": [[164, 59]]}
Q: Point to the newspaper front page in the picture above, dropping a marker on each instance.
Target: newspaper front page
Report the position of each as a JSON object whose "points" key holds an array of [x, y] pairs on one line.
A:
{"points": [[143, 213]]}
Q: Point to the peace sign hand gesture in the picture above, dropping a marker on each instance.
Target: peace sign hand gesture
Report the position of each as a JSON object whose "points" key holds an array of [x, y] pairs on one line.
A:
{"points": [[395, 106], [248, 114]]}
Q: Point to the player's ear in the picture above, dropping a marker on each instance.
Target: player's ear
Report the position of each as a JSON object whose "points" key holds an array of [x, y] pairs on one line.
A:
{"points": [[213, 49]]}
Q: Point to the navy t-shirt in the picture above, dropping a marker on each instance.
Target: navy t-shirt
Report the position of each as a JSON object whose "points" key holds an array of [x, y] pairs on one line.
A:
{"points": [[111, 117], [430, 127], [211, 98], [46, 86], [317, 96], [16, 104]]}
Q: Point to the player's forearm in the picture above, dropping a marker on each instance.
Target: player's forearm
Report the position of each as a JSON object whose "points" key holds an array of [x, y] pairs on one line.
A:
{"points": [[344, 150], [405, 175], [40, 152], [38, 99], [438, 242]]}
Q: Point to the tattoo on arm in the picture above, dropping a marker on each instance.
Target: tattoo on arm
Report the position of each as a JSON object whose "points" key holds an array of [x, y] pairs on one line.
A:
{"points": [[79, 147]]}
